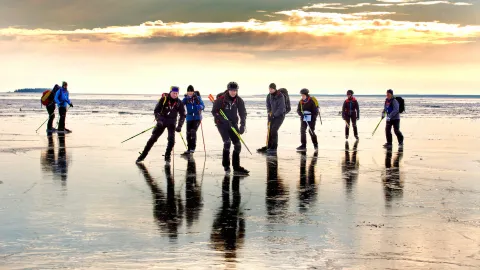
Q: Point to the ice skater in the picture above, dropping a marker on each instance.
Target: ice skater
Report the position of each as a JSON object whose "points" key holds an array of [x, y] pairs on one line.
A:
{"points": [[232, 106], [351, 114], [194, 105], [308, 111], [169, 107]]}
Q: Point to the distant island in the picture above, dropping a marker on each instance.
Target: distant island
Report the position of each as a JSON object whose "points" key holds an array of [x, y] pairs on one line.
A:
{"points": [[31, 90]]}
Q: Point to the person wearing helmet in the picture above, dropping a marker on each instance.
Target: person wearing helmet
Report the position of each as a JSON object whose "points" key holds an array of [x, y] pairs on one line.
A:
{"points": [[232, 106], [351, 113], [62, 99], [168, 108], [194, 105], [308, 111]]}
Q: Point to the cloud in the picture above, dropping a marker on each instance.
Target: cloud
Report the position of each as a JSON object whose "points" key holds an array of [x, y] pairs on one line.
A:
{"points": [[360, 34], [388, 3]]}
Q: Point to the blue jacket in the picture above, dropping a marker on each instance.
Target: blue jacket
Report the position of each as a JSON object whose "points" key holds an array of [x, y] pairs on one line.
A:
{"points": [[194, 106], [61, 97]]}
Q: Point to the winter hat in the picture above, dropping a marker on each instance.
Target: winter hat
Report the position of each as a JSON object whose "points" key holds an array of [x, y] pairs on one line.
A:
{"points": [[232, 86], [304, 91], [350, 92], [390, 91], [273, 86], [190, 88], [174, 89]]}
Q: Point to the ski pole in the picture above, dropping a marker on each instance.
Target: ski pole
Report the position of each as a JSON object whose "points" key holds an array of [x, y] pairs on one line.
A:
{"points": [[138, 134], [36, 131], [320, 115], [203, 137], [268, 132], [181, 136], [348, 125], [377, 126], [212, 99]]}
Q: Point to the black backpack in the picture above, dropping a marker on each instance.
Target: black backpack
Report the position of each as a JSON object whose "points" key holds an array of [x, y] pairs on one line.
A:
{"points": [[287, 99], [401, 103]]}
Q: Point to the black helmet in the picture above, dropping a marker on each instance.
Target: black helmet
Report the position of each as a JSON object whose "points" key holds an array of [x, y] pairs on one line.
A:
{"points": [[350, 92], [232, 86], [304, 91]]}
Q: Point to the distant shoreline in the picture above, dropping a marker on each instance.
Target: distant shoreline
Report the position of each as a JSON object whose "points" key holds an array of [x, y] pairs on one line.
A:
{"points": [[40, 90]]}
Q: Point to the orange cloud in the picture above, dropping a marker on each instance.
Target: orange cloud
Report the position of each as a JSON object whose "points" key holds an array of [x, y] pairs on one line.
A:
{"points": [[361, 33]]}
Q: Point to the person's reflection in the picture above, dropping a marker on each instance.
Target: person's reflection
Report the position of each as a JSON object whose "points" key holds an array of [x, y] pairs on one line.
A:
{"points": [[47, 159], [168, 211], [277, 196], [57, 166], [350, 168], [392, 182], [62, 164], [228, 229], [193, 194], [307, 190]]}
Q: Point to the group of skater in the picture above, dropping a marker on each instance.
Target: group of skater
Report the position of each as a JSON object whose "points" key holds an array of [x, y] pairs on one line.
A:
{"points": [[230, 115]]}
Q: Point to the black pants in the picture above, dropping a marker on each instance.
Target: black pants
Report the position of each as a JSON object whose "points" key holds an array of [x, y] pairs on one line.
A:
{"points": [[351, 119], [396, 129], [303, 133], [51, 113], [275, 125], [156, 133], [63, 114], [229, 137], [192, 127]]}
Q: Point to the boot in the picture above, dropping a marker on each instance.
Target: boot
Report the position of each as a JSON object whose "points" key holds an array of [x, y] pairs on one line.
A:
{"points": [[226, 160], [186, 153], [168, 158], [241, 171], [262, 150], [141, 158], [302, 148]]}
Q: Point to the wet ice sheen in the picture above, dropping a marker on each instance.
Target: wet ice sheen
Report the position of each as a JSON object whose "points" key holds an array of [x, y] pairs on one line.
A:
{"points": [[80, 201]]}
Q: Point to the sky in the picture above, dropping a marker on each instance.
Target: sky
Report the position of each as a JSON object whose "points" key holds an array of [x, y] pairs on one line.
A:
{"points": [[145, 46]]}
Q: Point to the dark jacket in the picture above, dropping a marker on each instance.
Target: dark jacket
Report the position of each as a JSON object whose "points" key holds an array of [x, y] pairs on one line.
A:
{"points": [[168, 109], [194, 106], [351, 108], [232, 107], [308, 105], [276, 104], [392, 107]]}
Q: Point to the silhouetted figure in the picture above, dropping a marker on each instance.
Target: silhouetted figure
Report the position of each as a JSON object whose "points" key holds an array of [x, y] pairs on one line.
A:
{"points": [[392, 184], [276, 199], [193, 193], [47, 159], [307, 190], [62, 163], [350, 168], [167, 210], [228, 229], [58, 165]]}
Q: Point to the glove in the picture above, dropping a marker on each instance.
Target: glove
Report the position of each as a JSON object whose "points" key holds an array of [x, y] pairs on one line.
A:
{"points": [[383, 115], [358, 118], [199, 107], [241, 130], [388, 118], [270, 117], [178, 129], [71, 105]]}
